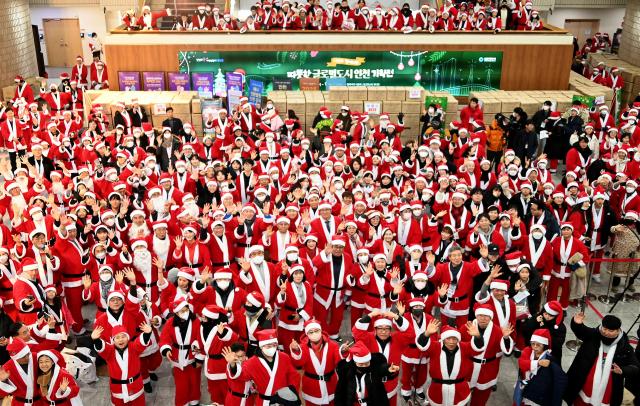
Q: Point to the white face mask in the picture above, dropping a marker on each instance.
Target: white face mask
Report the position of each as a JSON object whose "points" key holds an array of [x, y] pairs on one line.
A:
{"points": [[292, 257], [181, 170], [166, 136], [630, 189], [37, 216], [109, 222], [269, 352], [305, 146], [4, 259], [105, 277], [112, 177], [269, 138], [257, 260], [129, 144], [363, 259], [183, 315], [406, 216], [417, 212], [275, 176], [101, 255], [542, 166], [545, 108], [416, 256], [223, 284], [420, 284], [187, 130], [260, 198], [315, 336], [537, 235]]}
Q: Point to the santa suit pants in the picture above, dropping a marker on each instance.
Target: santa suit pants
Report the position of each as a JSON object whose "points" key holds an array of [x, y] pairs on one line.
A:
{"points": [[218, 390], [286, 336], [356, 313], [139, 401], [414, 376], [149, 364], [330, 318], [480, 397], [596, 254], [558, 283], [187, 383], [460, 321], [73, 297]]}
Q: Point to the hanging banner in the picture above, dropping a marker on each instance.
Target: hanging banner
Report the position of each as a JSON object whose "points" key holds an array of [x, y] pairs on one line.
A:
{"points": [[153, 81], [129, 81], [203, 84], [179, 81], [256, 87], [456, 72]]}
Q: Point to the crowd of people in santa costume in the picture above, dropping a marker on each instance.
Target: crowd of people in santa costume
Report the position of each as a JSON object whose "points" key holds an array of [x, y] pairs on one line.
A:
{"points": [[340, 16], [237, 256]]}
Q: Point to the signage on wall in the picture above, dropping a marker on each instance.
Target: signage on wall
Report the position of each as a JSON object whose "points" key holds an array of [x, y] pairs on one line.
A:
{"points": [[457, 72], [129, 81], [153, 81], [203, 84], [179, 81]]}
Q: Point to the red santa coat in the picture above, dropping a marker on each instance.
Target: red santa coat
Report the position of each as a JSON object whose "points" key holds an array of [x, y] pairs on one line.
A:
{"points": [[94, 295], [267, 380], [222, 251], [24, 91], [150, 21], [195, 256], [199, 22], [467, 115], [408, 232], [292, 303], [124, 369], [326, 290], [210, 349], [23, 289], [412, 329], [501, 318], [54, 395], [476, 239], [562, 251], [324, 234], [71, 262], [445, 24], [378, 291], [79, 73], [541, 258], [171, 339], [99, 77], [316, 366], [460, 292], [130, 318], [486, 364], [267, 284], [21, 384], [11, 134], [576, 162], [458, 393], [56, 101]]}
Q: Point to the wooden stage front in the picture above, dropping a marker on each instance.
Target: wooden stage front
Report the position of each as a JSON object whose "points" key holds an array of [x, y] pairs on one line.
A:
{"points": [[537, 60]]}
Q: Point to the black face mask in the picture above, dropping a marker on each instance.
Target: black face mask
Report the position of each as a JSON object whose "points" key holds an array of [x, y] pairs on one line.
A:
{"points": [[381, 273], [607, 340], [251, 309], [417, 312], [362, 370], [406, 12]]}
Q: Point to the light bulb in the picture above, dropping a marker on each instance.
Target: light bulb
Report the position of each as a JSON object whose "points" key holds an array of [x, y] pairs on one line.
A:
{"points": [[411, 62], [401, 66], [417, 77]]}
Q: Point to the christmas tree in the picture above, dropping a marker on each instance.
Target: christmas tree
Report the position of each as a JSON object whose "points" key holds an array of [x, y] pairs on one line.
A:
{"points": [[220, 84]]}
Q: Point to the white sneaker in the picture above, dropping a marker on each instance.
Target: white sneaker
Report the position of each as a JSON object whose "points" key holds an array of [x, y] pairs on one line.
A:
{"points": [[596, 278]]}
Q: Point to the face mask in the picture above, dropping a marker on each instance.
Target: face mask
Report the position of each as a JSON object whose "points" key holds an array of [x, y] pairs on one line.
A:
{"points": [[112, 178], [269, 139], [315, 336], [37, 216], [260, 198], [181, 170], [166, 136], [224, 284], [603, 114], [363, 259], [420, 284], [607, 340], [187, 131], [406, 216], [257, 260], [423, 154], [537, 235], [269, 352], [101, 255], [545, 108], [292, 257], [275, 177], [66, 143], [105, 277], [385, 203], [110, 222], [417, 312], [305, 147], [630, 189], [183, 315], [251, 310], [513, 173], [227, 19], [4, 259], [416, 256]]}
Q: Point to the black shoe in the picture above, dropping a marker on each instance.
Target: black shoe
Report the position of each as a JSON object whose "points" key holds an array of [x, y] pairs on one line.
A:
{"points": [[153, 377], [494, 388], [148, 388], [517, 353]]}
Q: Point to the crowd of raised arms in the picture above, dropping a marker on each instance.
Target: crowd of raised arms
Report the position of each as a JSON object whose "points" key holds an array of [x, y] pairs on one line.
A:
{"points": [[316, 16], [237, 255]]}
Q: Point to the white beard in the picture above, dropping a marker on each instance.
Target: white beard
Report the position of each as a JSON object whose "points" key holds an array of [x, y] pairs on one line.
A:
{"points": [[57, 188], [136, 231], [316, 180], [142, 262], [19, 201], [158, 204], [23, 183], [193, 209], [161, 248]]}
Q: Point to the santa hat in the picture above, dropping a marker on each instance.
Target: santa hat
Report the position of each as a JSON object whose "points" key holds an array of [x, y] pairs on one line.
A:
{"points": [[499, 284], [295, 268], [119, 329], [159, 224], [290, 248], [513, 259], [187, 273], [255, 248], [382, 322], [416, 301], [180, 304], [18, 349], [224, 273], [115, 294], [338, 240], [484, 310], [213, 312], [266, 337], [379, 256], [256, 299], [449, 332], [566, 224], [360, 353], [29, 264], [283, 219], [419, 275], [554, 308], [311, 324], [541, 336], [139, 242]]}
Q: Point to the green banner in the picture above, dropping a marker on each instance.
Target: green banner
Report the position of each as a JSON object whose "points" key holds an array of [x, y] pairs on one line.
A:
{"points": [[452, 71], [588, 101], [441, 101]]}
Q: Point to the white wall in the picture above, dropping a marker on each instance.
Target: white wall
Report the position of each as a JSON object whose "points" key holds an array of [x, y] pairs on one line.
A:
{"points": [[610, 18], [92, 19]]}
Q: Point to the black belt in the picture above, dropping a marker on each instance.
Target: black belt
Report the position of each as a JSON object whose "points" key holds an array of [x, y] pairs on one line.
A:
{"points": [[484, 360], [362, 401], [243, 245], [124, 381], [413, 346], [293, 309], [195, 265], [181, 347], [220, 263], [215, 356], [27, 400], [69, 275], [324, 377], [265, 397], [148, 285], [378, 296], [6, 289], [238, 394], [330, 288], [56, 402], [458, 299], [447, 381]]}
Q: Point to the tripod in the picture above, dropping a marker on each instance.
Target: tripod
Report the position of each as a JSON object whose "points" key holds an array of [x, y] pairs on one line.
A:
{"points": [[622, 295], [631, 328]]}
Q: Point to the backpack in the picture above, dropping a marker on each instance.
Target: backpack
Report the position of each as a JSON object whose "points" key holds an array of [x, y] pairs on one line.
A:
{"points": [[81, 364]]}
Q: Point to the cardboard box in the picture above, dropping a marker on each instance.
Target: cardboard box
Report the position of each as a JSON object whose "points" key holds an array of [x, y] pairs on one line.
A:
{"points": [[196, 120], [509, 105], [412, 107], [8, 92], [357, 93], [334, 106], [181, 104], [563, 103], [391, 106], [314, 106], [313, 95], [297, 105], [396, 93], [354, 105], [491, 105], [196, 106], [530, 106], [337, 93], [294, 94], [377, 93]]}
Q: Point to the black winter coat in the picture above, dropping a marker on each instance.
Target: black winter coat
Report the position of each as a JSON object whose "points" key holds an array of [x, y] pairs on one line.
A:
{"points": [[587, 354], [547, 386], [346, 387], [558, 335]]}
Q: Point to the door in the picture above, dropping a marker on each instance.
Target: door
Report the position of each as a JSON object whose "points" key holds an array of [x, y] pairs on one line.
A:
{"points": [[62, 38], [582, 29]]}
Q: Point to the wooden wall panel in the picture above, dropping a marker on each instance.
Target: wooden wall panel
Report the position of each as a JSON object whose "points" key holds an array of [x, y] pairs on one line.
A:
{"points": [[524, 67]]}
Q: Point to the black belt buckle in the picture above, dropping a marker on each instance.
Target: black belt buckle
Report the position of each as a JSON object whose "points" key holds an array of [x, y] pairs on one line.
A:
{"points": [[130, 380], [321, 378]]}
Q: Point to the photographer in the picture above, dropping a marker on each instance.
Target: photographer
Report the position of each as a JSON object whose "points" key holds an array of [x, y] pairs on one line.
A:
{"points": [[496, 139]]}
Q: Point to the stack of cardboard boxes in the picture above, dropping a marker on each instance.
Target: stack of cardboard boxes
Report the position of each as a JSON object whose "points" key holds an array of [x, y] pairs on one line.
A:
{"points": [[630, 73], [34, 82]]}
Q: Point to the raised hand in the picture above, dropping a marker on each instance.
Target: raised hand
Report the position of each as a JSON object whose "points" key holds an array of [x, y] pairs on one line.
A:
{"points": [[578, 318], [432, 327], [294, 346], [401, 308], [158, 263], [229, 356], [443, 289], [4, 374], [97, 332], [205, 275], [507, 330], [472, 329], [130, 275], [86, 281], [431, 258], [484, 251], [369, 270], [178, 241], [119, 277], [145, 328]]}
